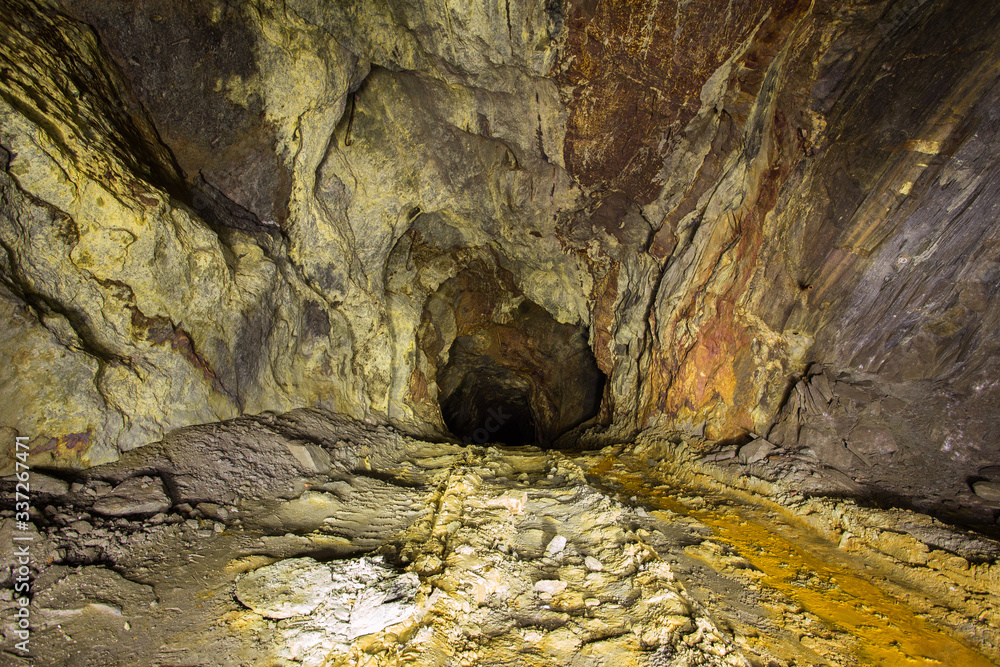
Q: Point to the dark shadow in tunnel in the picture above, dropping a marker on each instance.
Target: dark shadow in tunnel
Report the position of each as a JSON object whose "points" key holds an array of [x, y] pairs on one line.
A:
{"points": [[524, 382], [489, 407]]}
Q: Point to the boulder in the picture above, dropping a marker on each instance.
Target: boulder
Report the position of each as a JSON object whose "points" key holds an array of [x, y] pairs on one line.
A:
{"points": [[291, 587], [138, 495], [756, 450]]}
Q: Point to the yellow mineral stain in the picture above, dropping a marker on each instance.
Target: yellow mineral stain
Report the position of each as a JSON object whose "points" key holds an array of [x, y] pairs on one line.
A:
{"points": [[248, 563], [812, 572], [925, 146], [207, 593], [888, 632]]}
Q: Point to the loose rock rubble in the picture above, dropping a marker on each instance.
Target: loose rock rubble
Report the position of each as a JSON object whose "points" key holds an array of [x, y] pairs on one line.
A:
{"points": [[378, 549]]}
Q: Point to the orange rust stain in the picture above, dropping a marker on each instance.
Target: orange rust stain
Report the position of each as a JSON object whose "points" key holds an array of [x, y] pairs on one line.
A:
{"points": [[631, 75], [706, 374], [160, 331], [710, 376], [885, 631], [418, 387]]}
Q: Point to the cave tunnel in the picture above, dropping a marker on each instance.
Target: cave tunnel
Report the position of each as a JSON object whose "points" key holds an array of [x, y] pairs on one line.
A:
{"points": [[525, 382], [308, 308]]}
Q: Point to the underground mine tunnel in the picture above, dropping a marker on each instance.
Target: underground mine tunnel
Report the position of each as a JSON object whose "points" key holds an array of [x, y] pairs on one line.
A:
{"points": [[561, 332], [526, 381]]}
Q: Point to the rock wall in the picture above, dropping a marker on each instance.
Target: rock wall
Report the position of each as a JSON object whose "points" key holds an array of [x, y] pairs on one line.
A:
{"points": [[218, 209]]}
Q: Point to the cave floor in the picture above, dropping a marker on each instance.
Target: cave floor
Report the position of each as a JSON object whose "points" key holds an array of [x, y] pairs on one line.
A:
{"points": [[632, 555]]}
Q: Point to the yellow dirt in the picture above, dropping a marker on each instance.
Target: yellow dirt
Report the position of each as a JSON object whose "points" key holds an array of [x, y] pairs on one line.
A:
{"points": [[812, 572]]}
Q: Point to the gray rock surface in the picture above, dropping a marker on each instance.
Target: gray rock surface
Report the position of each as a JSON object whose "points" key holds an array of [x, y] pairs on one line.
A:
{"points": [[872, 440], [137, 495], [63, 589], [990, 472], [756, 450], [41, 483], [989, 491], [827, 446]]}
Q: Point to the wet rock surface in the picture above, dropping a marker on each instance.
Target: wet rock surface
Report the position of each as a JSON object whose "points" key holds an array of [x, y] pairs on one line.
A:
{"points": [[634, 554]]}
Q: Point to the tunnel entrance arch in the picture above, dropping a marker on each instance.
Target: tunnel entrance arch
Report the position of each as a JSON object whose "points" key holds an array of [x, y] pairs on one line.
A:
{"points": [[516, 376]]}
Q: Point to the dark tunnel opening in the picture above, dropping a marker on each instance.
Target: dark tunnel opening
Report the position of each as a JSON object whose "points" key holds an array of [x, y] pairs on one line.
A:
{"points": [[525, 382], [485, 408]]}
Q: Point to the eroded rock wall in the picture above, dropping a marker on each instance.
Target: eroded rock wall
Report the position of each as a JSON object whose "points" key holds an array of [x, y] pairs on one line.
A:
{"points": [[214, 210]]}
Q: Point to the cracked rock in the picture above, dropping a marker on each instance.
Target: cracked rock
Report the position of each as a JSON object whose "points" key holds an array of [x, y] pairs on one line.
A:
{"points": [[292, 587], [757, 450], [138, 495]]}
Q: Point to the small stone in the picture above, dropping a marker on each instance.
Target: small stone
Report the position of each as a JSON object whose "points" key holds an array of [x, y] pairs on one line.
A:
{"points": [[556, 546], [82, 527], [192, 524], [550, 586], [756, 450], [427, 565], [987, 491], [218, 526], [592, 602], [724, 455], [137, 495], [291, 587], [314, 459], [97, 487], [342, 489], [593, 564], [531, 542], [213, 511]]}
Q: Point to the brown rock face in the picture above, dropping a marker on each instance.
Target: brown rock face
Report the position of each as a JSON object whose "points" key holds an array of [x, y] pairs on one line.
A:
{"points": [[529, 377], [749, 218], [632, 75]]}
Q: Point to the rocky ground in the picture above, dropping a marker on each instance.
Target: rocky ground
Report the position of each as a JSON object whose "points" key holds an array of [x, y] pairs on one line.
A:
{"points": [[305, 539]]}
